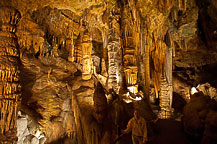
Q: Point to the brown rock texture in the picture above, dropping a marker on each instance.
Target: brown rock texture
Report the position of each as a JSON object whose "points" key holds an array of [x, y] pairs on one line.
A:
{"points": [[74, 62], [10, 91], [199, 118]]}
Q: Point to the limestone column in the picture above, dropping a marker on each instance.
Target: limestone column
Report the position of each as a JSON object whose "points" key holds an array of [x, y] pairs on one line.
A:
{"points": [[166, 93], [78, 50], [113, 70], [146, 61], [114, 59], [129, 53], [70, 48], [10, 89], [69, 42], [164, 98], [87, 64], [169, 70]]}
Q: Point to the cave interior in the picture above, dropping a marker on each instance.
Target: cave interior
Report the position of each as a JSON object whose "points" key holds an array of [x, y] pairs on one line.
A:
{"points": [[73, 71]]}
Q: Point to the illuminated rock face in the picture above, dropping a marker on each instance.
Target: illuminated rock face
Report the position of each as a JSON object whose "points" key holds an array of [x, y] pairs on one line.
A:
{"points": [[70, 48], [56, 39], [10, 89], [166, 92], [130, 52], [78, 50], [87, 63], [165, 99], [81, 54], [114, 64], [131, 78], [113, 53]]}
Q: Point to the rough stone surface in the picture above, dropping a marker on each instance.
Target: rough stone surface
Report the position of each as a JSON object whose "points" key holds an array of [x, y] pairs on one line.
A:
{"points": [[66, 47], [200, 116]]}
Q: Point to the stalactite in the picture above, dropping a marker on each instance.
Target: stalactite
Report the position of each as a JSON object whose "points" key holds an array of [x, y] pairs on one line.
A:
{"points": [[174, 14], [10, 91], [182, 4]]}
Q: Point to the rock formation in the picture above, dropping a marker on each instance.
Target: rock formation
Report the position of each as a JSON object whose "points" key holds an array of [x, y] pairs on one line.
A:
{"points": [[77, 69], [10, 93]]}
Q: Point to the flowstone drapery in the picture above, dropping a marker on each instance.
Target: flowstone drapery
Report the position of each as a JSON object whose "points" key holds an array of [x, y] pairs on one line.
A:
{"points": [[10, 88]]}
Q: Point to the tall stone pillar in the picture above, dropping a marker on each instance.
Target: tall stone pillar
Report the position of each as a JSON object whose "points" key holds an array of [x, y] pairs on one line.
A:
{"points": [[113, 61], [169, 70], [146, 61], [166, 93], [130, 65], [113, 48], [129, 53], [87, 63], [78, 50], [10, 88], [70, 48]]}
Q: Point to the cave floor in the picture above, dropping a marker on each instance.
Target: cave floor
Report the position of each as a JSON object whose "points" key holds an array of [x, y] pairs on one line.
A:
{"points": [[169, 132], [163, 132]]}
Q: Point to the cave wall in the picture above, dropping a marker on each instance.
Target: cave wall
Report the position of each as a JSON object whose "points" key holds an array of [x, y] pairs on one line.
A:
{"points": [[77, 60]]}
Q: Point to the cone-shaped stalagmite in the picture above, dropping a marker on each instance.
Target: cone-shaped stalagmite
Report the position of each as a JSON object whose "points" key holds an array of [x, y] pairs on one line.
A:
{"points": [[10, 89], [100, 103]]}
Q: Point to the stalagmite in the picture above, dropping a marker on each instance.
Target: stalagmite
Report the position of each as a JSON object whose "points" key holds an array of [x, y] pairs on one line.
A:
{"points": [[87, 63], [9, 17], [70, 48], [146, 60], [100, 104], [78, 50], [166, 94], [113, 48], [169, 69]]}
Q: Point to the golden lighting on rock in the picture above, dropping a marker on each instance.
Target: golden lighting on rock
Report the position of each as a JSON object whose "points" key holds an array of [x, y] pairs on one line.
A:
{"points": [[193, 90], [133, 89]]}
